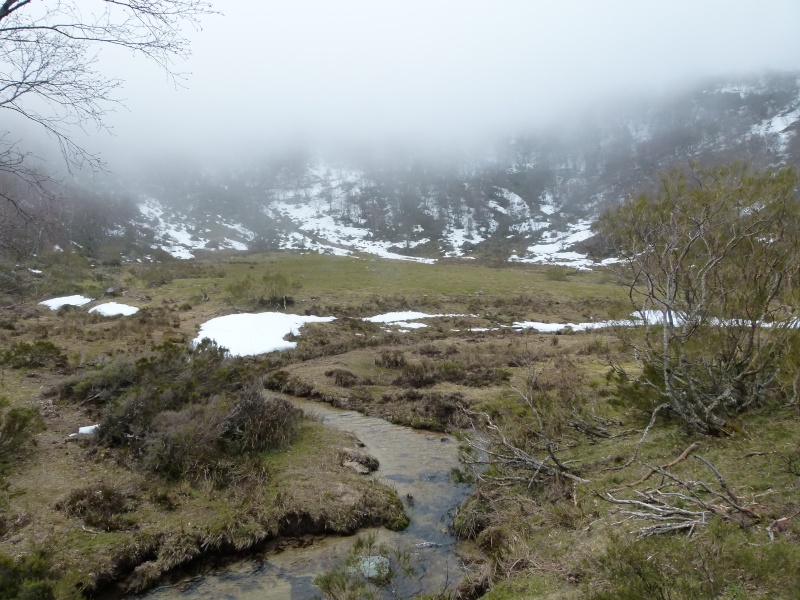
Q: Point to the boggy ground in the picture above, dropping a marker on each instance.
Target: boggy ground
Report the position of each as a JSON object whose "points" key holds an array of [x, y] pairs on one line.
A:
{"points": [[525, 393]]}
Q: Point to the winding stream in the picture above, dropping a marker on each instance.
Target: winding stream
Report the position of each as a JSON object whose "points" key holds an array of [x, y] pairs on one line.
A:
{"points": [[416, 463]]}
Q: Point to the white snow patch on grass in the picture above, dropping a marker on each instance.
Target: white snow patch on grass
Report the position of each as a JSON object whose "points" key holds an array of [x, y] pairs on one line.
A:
{"points": [[57, 303], [248, 334], [403, 316], [85, 430], [554, 327], [113, 309], [407, 324]]}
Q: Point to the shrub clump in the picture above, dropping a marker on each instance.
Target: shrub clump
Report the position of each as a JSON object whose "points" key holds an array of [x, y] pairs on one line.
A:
{"points": [[342, 377], [41, 353], [17, 429], [99, 506], [391, 359], [271, 290], [425, 373], [26, 577], [186, 412], [727, 562]]}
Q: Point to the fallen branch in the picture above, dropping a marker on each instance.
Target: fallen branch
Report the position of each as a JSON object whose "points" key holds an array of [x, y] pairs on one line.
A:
{"points": [[642, 440], [493, 448], [778, 523], [684, 455], [681, 505]]}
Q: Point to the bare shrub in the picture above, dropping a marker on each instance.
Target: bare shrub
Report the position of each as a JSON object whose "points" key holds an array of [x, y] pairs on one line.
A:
{"points": [[391, 359], [342, 377], [100, 506]]}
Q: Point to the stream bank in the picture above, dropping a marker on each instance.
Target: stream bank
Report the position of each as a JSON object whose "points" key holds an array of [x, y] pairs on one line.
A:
{"points": [[417, 464]]}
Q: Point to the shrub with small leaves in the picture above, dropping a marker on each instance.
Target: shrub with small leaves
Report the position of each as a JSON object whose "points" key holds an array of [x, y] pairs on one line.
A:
{"points": [[41, 353], [17, 428], [26, 577]]}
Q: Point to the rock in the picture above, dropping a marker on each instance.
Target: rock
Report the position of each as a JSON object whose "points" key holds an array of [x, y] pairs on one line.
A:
{"points": [[369, 462], [373, 567], [357, 467]]}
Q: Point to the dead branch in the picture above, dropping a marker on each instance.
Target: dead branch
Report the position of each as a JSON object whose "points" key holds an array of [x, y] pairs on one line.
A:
{"points": [[642, 440], [493, 448], [692, 447], [678, 504], [778, 523]]}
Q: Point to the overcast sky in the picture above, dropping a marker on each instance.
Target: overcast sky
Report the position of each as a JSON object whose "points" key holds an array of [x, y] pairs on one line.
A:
{"points": [[268, 70]]}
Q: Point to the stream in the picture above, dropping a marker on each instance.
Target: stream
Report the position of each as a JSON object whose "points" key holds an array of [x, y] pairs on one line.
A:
{"points": [[416, 463]]}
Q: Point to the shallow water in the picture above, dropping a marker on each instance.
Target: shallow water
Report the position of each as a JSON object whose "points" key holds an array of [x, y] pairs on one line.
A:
{"points": [[416, 464]]}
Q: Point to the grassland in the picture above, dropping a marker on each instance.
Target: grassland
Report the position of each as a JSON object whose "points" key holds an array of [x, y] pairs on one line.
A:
{"points": [[556, 538]]}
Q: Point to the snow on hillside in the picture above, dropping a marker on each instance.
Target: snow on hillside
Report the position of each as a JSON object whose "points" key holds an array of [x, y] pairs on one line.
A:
{"points": [[778, 128], [317, 229], [173, 233], [553, 248]]}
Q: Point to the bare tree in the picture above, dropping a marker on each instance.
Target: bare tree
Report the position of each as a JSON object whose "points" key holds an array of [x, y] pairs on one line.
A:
{"points": [[711, 262], [49, 74]]}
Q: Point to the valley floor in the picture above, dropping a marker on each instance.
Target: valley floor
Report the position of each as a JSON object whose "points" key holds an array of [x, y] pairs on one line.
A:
{"points": [[103, 515]]}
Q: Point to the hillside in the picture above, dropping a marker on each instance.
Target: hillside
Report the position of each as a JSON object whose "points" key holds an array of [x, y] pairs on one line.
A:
{"points": [[527, 198]]}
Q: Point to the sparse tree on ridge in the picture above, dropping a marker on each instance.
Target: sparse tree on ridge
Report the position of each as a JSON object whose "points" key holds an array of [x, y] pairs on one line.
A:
{"points": [[49, 75], [711, 261]]}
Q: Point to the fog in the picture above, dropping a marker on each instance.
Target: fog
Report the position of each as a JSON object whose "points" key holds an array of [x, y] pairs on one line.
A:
{"points": [[269, 72]]}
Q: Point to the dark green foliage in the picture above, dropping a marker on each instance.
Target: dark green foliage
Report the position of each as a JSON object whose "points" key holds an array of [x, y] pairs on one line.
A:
{"points": [[635, 392], [26, 577], [17, 428], [185, 412], [41, 353], [101, 385], [99, 506]]}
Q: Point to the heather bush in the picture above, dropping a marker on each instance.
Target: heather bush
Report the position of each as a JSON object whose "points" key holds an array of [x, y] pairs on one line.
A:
{"points": [[101, 506], [185, 412], [40, 353]]}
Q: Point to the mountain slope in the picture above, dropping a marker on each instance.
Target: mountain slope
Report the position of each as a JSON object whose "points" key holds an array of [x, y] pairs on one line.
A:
{"points": [[531, 198]]}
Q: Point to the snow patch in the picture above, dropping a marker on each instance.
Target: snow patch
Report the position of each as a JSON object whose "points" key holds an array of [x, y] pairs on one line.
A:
{"points": [[248, 334], [57, 303], [86, 430], [554, 248], [113, 309]]}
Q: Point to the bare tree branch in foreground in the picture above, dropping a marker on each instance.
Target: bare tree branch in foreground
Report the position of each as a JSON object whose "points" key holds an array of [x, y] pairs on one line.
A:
{"points": [[49, 72]]}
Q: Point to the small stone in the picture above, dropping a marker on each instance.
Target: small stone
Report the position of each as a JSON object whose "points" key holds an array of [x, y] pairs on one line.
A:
{"points": [[373, 567]]}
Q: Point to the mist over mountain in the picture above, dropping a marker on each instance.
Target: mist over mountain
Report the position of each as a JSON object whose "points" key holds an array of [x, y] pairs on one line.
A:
{"points": [[529, 197]]}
